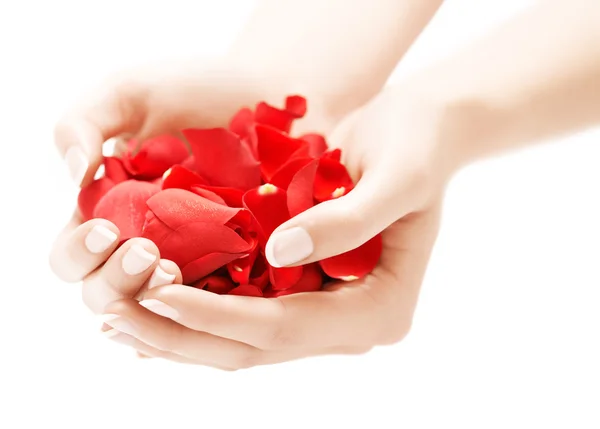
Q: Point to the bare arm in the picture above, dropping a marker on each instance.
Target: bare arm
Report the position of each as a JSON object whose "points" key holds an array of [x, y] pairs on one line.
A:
{"points": [[339, 51], [534, 78]]}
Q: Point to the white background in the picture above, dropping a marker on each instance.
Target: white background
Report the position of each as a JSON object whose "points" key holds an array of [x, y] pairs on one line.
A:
{"points": [[508, 327]]}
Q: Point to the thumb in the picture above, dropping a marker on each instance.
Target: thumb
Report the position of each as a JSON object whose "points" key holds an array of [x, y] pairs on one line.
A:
{"points": [[335, 226], [114, 109]]}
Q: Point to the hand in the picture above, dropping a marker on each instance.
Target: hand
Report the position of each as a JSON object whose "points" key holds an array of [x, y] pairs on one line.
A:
{"points": [[141, 104], [393, 148]]}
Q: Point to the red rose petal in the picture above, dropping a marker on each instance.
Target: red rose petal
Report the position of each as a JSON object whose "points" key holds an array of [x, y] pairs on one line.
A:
{"points": [[286, 173], [114, 169], [296, 105], [259, 276], [189, 163], [205, 265], [177, 207], [90, 195], [182, 178], [240, 269], [223, 159], [300, 190], [155, 156], [209, 195], [316, 144], [284, 278], [268, 205], [231, 196], [125, 206], [241, 122], [195, 240], [331, 178], [155, 229], [246, 290], [311, 281], [216, 284], [274, 149], [356, 263], [335, 154]]}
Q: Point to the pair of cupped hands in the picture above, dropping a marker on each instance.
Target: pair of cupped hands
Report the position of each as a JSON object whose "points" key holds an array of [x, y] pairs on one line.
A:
{"points": [[390, 147]]}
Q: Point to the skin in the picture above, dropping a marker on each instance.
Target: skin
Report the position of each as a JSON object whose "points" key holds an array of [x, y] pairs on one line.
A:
{"points": [[523, 83]]}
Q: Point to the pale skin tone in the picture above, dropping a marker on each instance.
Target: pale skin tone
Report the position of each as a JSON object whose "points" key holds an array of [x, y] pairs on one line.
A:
{"points": [[535, 77]]}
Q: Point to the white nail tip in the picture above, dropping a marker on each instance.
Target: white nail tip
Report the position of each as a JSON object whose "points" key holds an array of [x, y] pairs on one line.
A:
{"points": [[99, 239], [160, 308], [289, 247], [107, 318], [137, 260], [160, 278], [77, 163], [110, 333]]}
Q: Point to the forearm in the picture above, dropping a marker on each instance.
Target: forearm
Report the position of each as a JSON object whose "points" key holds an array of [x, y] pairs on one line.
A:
{"points": [[337, 51], [534, 78]]}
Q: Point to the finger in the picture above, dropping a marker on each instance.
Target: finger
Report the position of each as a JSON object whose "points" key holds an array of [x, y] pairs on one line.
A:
{"points": [[351, 316], [116, 108], [167, 272], [80, 249], [143, 350], [336, 226], [123, 274], [159, 337], [164, 334]]}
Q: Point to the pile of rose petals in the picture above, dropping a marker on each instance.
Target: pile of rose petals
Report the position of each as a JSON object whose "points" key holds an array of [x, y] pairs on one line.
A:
{"points": [[211, 203]]}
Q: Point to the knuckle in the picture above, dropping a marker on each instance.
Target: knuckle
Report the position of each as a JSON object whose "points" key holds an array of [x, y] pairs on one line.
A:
{"points": [[394, 332]]}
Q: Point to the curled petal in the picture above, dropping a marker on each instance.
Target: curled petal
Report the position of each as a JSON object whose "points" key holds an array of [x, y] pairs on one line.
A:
{"points": [[274, 149], [296, 105], [246, 290], [125, 206], [300, 190], [177, 207], [90, 195], [332, 180], [356, 263], [155, 156], [198, 239], [259, 276], [335, 154], [240, 269], [223, 159], [205, 265], [209, 195], [181, 177], [231, 196]]}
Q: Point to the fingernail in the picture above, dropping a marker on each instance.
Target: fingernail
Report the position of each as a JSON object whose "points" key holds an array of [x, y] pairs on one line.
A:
{"points": [[160, 278], [160, 308], [119, 337], [117, 323], [137, 260], [99, 239], [289, 247], [77, 163]]}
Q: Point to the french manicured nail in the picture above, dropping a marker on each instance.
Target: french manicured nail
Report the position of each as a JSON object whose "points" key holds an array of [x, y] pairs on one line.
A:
{"points": [[160, 308], [289, 247], [119, 337], [99, 239], [77, 163], [117, 323], [160, 278], [137, 260]]}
